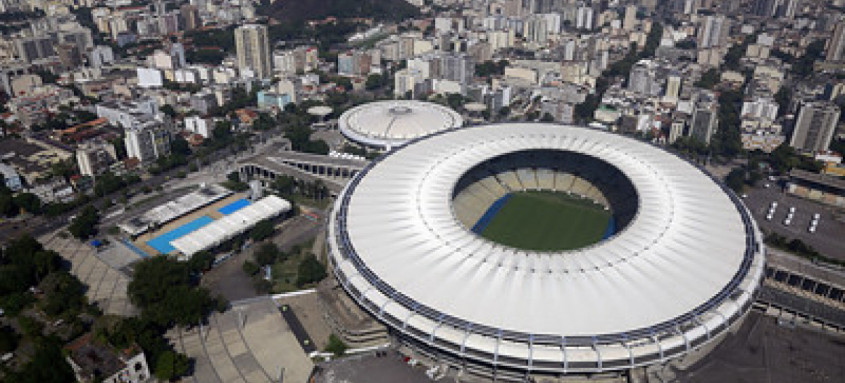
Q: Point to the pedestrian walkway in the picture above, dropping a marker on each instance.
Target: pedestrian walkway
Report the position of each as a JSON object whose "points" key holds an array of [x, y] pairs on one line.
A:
{"points": [[107, 286], [249, 343]]}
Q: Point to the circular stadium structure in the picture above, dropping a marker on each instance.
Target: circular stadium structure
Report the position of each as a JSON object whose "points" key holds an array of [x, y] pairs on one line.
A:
{"points": [[386, 124], [679, 268]]}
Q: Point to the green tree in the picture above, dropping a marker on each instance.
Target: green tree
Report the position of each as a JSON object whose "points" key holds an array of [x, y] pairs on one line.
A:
{"points": [[262, 230], [7, 205], [374, 81], [63, 292], [284, 185], [201, 261], [455, 100], [783, 97], [168, 110], [8, 340], [46, 366], [84, 225], [250, 268], [709, 79], [310, 270], [336, 345], [171, 365], [736, 180], [28, 202], [266, 254], [180, 146], [166, 293]]}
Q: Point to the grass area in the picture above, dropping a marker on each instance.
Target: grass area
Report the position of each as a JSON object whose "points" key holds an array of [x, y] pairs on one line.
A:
{"points": [[546, 221], [285, 271]]}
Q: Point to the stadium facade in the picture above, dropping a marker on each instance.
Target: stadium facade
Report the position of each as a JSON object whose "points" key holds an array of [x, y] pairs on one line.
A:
{"points": [[386, 124], [681, 271]]}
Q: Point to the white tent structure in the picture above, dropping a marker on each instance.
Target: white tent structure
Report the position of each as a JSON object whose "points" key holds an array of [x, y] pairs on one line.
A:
{"points": [[230, 226]]}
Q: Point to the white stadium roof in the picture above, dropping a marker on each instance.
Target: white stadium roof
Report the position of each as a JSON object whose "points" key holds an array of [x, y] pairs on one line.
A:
{"points": [[392, 123], [682, 270], [230, 225]]}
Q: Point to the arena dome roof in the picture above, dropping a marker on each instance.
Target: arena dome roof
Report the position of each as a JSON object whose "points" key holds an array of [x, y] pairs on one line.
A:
{"points": [[386, 124], [683, 269]]}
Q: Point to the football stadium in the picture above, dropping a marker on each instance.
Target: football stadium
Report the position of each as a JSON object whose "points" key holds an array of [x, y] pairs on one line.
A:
{"points": [[519, 250]]}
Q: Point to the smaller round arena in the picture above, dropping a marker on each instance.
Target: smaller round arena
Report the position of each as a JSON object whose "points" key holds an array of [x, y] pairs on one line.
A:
{"points": [[387, 124]]}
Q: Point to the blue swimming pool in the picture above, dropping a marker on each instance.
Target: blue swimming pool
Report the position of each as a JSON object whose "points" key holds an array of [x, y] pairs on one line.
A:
{"points": [[234, 206], [162, 242]]}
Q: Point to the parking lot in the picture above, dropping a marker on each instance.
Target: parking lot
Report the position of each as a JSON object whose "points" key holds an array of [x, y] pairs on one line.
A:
{"points": [[828, 238], [765, 351]]}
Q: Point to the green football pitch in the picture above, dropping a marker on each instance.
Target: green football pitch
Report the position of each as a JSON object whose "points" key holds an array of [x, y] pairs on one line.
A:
{"points": [[547, 221]]}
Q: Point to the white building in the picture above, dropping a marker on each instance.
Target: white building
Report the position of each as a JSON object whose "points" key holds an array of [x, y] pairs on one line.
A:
{"points": [[101, 55], [199, 125], [149, 77], [815, 126], [128, 113], [760, 108], [584, 18], [147, 141], [92, 359]]}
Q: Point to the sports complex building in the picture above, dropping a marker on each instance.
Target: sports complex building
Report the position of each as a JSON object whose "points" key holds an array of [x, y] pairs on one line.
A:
{"points": [[386, 124], [462, 244], [200, 220]]}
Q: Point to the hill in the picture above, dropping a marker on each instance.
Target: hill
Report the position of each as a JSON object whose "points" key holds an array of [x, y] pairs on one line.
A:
{"points": [[299, 10]]}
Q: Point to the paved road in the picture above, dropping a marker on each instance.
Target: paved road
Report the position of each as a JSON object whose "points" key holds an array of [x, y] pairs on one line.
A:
{"points": [[219, 161]]}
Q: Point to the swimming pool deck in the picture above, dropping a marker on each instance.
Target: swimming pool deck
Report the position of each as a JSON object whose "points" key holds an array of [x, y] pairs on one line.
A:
{"points": [[210, 210]]}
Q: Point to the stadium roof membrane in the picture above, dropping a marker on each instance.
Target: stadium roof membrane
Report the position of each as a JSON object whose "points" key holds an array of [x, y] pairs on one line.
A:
{"points": [[386, 124], [678, 274]]}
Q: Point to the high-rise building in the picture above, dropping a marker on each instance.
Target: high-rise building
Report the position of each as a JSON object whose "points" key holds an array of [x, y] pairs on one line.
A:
{"points": [[584, 18], [147, 141], [713, 32], [536, 30], [815, 126], [836, 48], [459, 68], [33, 48], [764, 8], [253, 49], [177, 54], [642, 78], [673, 86], [190, 16], [630, 20], [704, 121], [95, 157]]}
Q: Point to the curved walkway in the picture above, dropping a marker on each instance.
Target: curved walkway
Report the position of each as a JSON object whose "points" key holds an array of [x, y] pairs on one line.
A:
{"points": [[257, 352]]}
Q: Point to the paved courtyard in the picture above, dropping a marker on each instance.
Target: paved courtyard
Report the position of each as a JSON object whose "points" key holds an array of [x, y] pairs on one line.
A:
{"points": [[261, 349], [106, 284], [368, 368]]}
